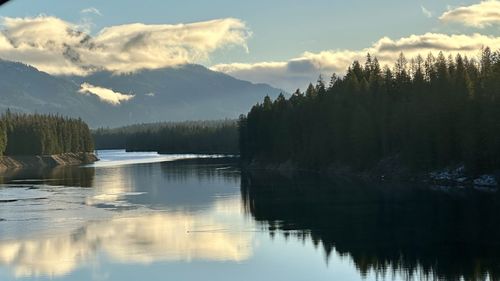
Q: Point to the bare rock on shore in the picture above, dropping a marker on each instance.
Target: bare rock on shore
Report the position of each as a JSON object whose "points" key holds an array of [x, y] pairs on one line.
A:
{"points": [[486, 180], [37, 161]]}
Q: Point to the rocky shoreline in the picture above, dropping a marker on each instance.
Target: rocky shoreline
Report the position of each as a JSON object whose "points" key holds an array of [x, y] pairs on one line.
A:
{"points": [[46, 161], [390, 170]]}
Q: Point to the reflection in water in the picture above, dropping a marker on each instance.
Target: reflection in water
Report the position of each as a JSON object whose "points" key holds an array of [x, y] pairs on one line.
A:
{"points": [[112, 186], [200, 216], [143, 239], [187, 186], [113, 158], [202, 170], [387, 230], [133, 214], [58, 176]]}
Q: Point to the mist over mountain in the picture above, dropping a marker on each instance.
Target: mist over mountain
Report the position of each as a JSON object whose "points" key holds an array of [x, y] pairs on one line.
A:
{"points": [[188, 92]]}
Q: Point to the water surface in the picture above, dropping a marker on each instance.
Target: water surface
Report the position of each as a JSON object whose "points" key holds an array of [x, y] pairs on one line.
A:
{"points": [[143, 216]]}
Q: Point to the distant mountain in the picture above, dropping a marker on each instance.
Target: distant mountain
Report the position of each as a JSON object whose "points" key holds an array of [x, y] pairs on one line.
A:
{"points": [[188, 92], [25, 89]]}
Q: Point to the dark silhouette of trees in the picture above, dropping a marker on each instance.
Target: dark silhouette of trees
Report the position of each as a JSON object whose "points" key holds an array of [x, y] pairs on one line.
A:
{"points": [[36, 134], [419, 232], [211, 137], [427, 113]]}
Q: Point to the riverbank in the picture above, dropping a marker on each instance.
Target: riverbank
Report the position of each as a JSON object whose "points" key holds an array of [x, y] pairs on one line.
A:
{"points": [[46, 161], [390, 170]]}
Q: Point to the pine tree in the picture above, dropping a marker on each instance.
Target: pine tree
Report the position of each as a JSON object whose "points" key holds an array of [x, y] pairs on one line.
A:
{"points": [[429, 113]]}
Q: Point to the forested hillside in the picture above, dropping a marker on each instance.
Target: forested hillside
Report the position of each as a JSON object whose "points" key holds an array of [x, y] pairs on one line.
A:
{"points": [[422, 113], [36, 134], [172, 137], [187, 92], [28, 90]]}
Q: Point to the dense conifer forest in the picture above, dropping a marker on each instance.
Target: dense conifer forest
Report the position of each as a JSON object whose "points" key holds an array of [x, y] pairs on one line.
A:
{"points": [[172, 137], [423, 113], [36, 134]]}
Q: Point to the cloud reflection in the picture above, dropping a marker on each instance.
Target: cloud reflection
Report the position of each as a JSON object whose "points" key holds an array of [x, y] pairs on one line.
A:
{"points": [[143, 239]]}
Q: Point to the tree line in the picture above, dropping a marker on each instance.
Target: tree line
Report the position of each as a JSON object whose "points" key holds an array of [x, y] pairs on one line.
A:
{"points": [[209, 137], [37, 134], [422, 113]]}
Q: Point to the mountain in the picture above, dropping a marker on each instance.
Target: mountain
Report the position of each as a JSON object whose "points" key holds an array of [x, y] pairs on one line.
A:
{"points": [[25, 89], [188, 92]]}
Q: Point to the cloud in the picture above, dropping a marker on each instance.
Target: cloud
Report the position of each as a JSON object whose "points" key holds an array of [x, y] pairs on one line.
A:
{"points": [[104, 94], [62, 48], [299, 71], [484, 14], [91, 10], [426, 12]]}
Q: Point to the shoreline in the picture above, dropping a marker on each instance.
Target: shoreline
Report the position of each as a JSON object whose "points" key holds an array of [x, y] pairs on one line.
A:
{"points": [[452, 176], [45, 161]]}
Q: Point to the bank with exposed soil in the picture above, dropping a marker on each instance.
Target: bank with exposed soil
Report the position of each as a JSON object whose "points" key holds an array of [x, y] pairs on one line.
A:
{"points": [[46, 161]]}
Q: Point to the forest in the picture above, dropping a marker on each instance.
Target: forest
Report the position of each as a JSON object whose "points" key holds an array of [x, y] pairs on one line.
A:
{"points": [[423, 113], [210, 137], [37, 134]]}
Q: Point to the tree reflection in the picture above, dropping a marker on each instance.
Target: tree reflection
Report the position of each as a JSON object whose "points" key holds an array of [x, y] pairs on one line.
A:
{"points": [[430, 233], [58, 176]]}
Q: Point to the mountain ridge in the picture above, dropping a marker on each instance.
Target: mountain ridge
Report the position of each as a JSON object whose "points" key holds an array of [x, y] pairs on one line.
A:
{"points": [[186, 92]]}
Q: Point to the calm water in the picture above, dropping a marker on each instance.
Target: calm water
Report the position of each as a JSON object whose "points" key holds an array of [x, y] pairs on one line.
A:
{"points": [[140, 216]]}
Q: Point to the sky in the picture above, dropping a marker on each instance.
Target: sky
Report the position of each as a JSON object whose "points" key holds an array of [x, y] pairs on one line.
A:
{"points": [[285, 43]]}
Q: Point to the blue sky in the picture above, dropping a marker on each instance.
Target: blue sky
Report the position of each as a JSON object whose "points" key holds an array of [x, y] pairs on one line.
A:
{"points": [[281, 30]]}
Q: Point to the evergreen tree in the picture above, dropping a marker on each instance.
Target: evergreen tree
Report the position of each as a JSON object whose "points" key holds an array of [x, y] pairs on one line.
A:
{"points": [[428, 113], [36, 134]]}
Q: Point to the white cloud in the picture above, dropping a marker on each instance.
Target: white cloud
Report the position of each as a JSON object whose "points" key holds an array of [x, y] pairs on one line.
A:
{"points": [[60, 47], [299, 71], [91, 10], [426, 12], [104, 94], [484, 14]]}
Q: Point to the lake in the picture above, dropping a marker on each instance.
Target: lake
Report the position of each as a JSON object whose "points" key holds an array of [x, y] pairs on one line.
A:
{"points": [[143, 216]]}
